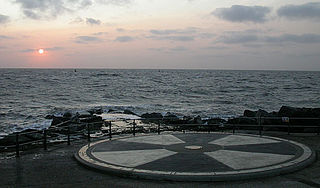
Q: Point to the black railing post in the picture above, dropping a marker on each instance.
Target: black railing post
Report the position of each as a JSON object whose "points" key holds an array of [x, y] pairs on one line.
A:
{"points": [[88, 129], [45, 140], [134, 127], [17, 145], [318, 127], [110, 133], [260, 130], [68, 134], [159, 127]]}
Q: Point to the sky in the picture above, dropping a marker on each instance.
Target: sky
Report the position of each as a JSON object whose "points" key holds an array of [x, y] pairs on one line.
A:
{"points": [[161, 34]]}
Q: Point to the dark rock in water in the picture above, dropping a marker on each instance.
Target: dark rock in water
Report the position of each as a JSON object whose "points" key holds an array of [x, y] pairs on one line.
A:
{"points": [[49, 117], [286, 111], [128, 112], [96, 111], [259, 113], [254, 115], [301, 116], [67, 115], [216, 121], [111, 110], [169, 115], [83, 114], [249, 113], [243, 120], [58, 120], [91, 119], [152, 116], [197, 120]]}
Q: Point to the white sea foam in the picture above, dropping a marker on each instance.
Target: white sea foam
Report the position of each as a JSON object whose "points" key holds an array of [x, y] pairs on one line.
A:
{"points": [[35, 126], [40, 126], [118, 116]]}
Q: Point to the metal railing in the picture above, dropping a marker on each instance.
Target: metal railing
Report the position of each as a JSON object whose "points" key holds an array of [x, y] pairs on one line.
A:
{"points": [[157, 125]]}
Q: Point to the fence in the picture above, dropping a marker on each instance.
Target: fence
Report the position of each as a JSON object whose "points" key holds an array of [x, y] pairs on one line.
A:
{"points": [[167, 124]]}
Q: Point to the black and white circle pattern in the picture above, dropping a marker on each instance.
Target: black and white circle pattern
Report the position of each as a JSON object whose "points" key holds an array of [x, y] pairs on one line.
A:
{"points": [[218, 153]]}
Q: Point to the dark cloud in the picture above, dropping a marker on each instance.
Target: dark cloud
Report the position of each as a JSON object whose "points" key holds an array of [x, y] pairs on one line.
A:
{"points": [[4, 19], [5, 37], [240, 13], [206, 35], [157, 49], [181, 38], [48, 9], [87, 39], [178, 49], [100, 33], [91, 21], [166, 50], [173, 31], [77, 20], [121, 30], [27, 50], [305, 11], [246, 37], [86, 3], [304, 38], [124, 39], [38, 9], [56, 48], [215, 48], [237, 38], [115, 2], [32, 15]]}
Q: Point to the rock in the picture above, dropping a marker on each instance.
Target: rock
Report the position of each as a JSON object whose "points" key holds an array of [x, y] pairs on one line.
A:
{"points": [[67, 115], [49, 117], [259, 113], [96, 111], [129, 112], [170, 116], [243, 120], [286, 111], [249, 113], [197, 120], [91, 119], [111, 110], [216, 121], [58, 120], [83, 114], [152, 116], [262, 113]]}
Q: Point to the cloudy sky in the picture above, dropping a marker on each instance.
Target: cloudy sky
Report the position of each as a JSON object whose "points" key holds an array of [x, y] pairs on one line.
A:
{"points": [[191, 34]]}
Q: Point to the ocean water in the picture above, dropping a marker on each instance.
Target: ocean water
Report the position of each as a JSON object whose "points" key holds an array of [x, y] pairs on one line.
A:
{"points": [[28, 95]]}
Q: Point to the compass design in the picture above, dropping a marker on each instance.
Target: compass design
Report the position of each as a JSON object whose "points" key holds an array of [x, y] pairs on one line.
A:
{"points": [[196, 156]]}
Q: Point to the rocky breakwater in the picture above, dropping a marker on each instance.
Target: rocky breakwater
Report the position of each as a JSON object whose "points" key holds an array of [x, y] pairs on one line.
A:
{"points": [[173, 122], [61, 125], [299, 119]]}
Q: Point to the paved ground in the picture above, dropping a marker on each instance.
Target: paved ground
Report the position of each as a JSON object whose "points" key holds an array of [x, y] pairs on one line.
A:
{"points": [[196, 156], [57, 168]]}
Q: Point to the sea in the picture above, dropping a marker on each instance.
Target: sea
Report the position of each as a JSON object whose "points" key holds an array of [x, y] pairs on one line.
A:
{"points": [[28, 95]]}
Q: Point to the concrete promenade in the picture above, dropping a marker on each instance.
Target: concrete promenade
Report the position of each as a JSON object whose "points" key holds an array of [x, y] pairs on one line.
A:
{"points": [[58, 168]]}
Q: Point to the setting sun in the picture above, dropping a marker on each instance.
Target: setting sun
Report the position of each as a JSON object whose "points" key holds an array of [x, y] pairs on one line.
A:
{"points": [[40, 51]]}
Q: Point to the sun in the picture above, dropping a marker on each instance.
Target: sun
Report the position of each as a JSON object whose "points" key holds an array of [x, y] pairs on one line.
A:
{"points": [[41, 51]]}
